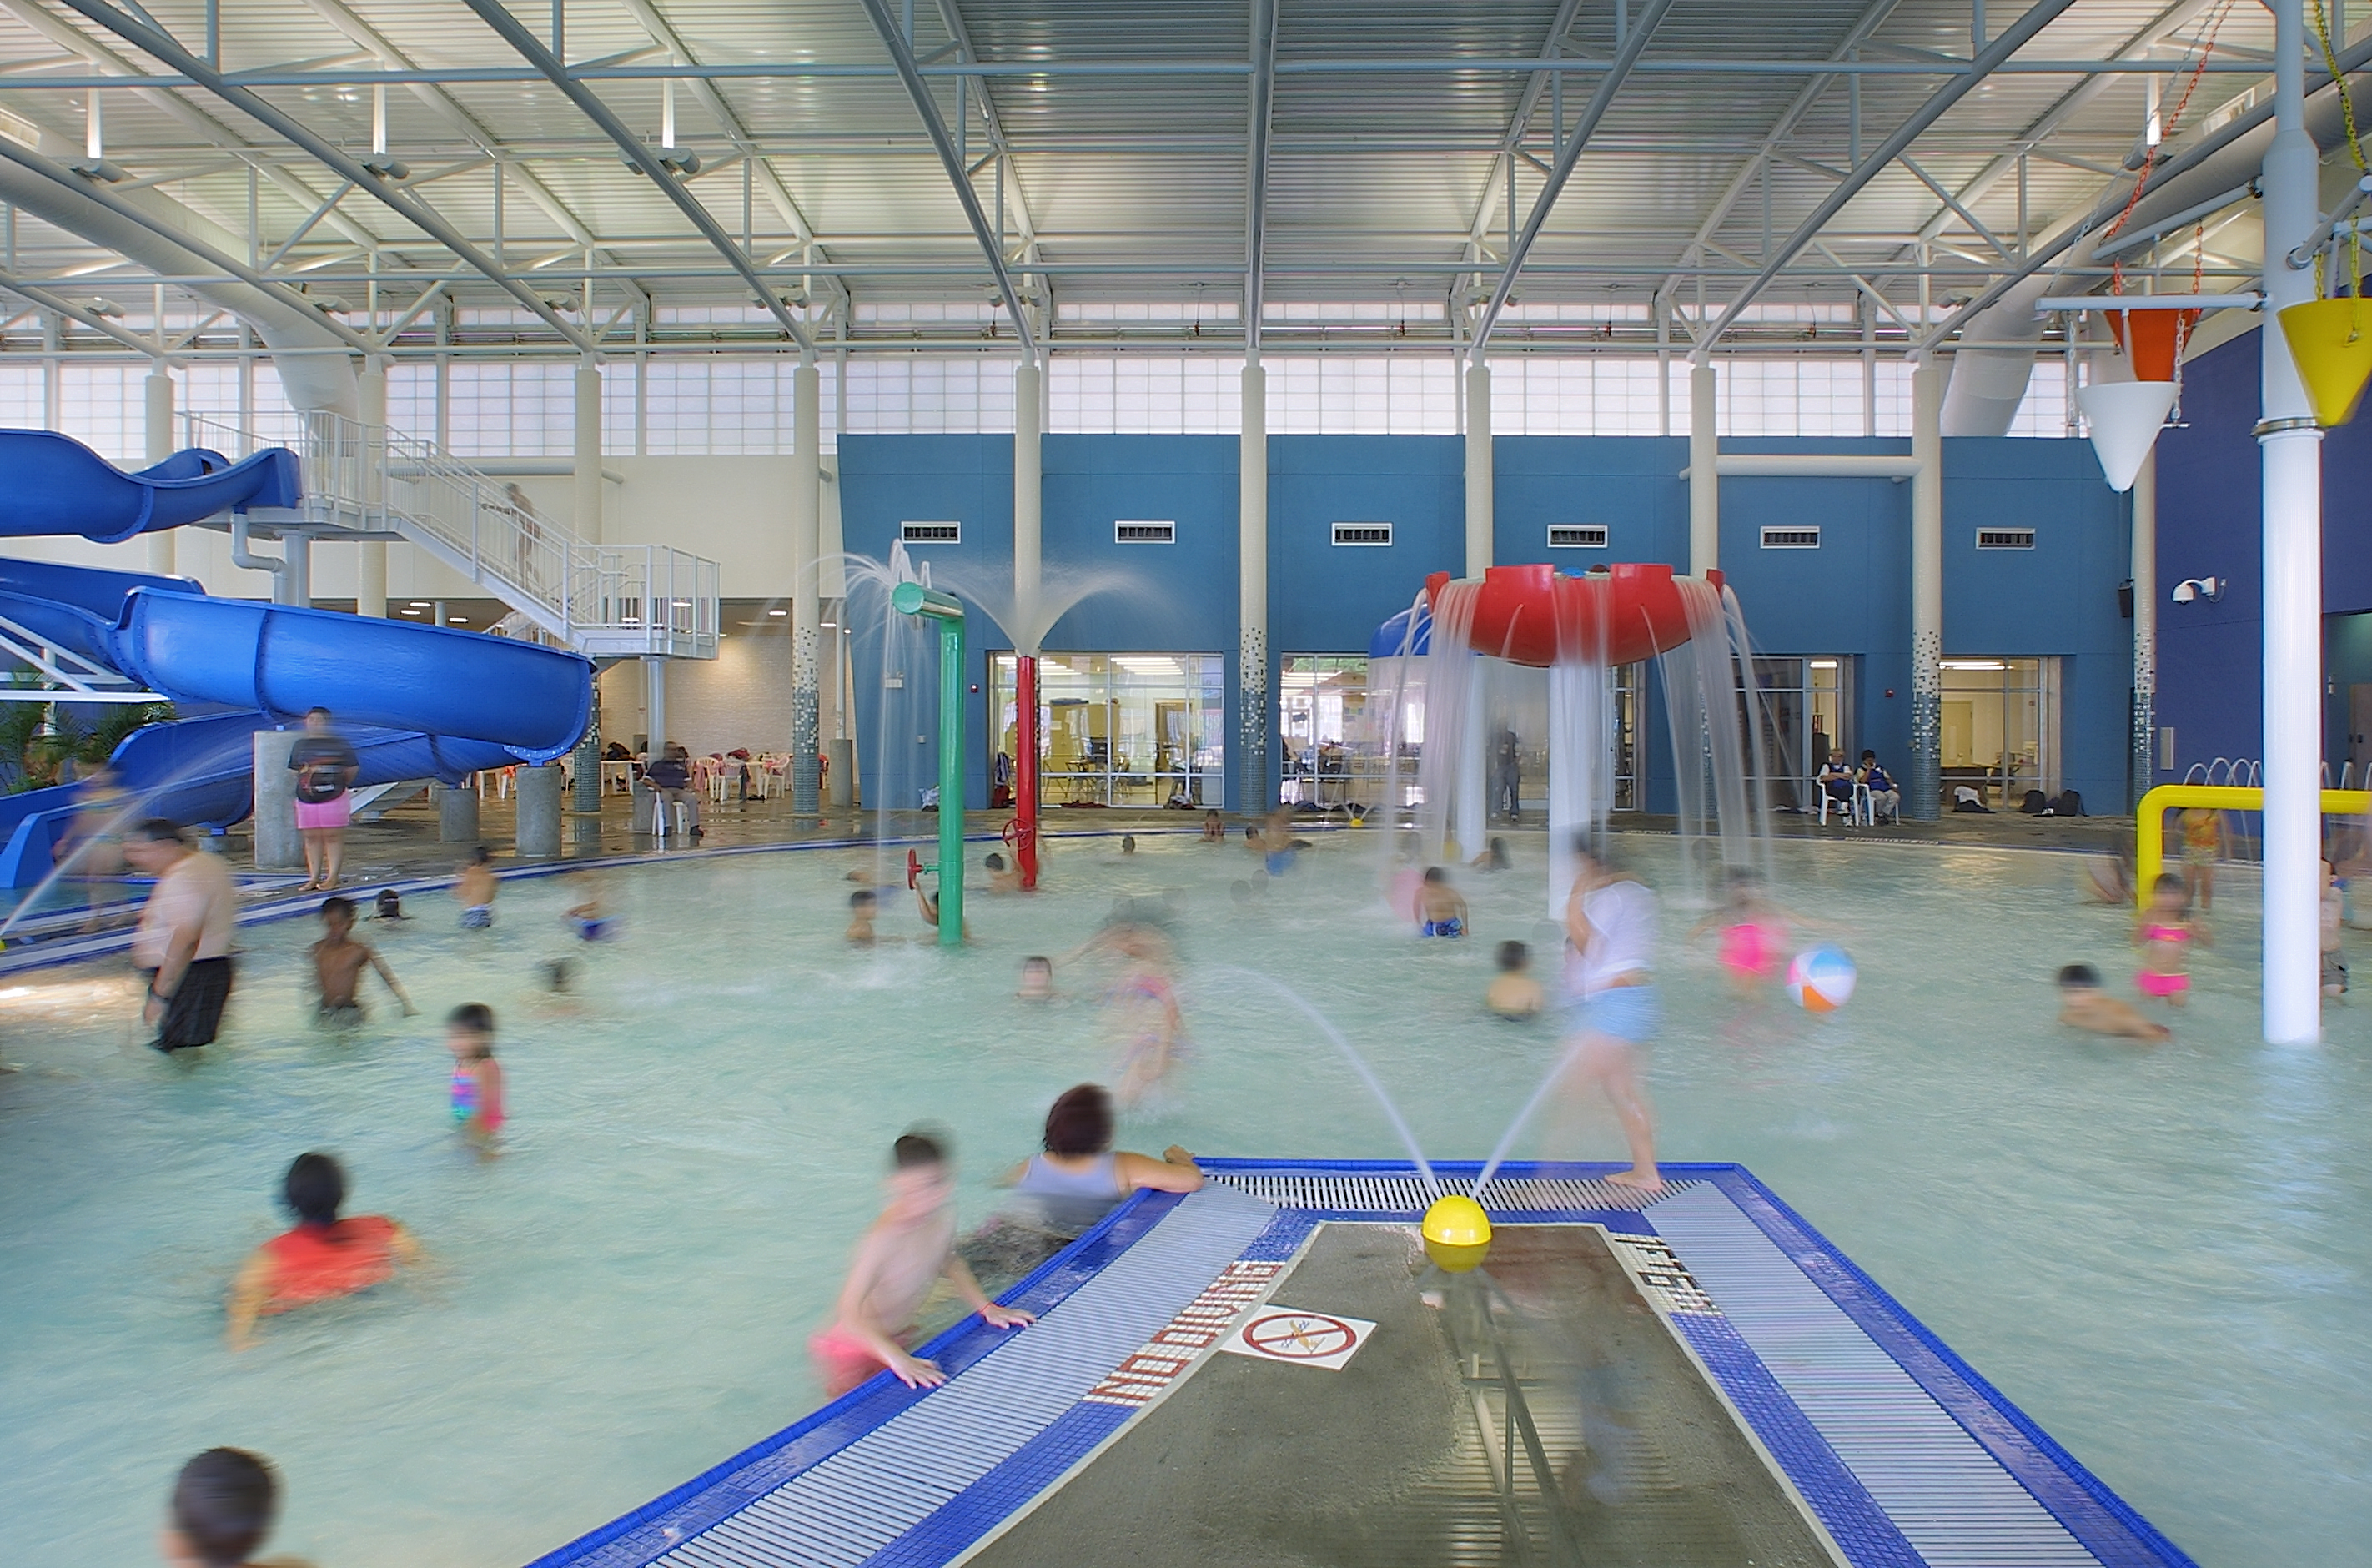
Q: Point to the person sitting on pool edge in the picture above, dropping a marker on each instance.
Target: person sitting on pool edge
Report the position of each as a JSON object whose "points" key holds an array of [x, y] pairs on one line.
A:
{"points": [[323, 1256], [224, 1504], [2083, 1005], [1079, 1177], [908, 1248]]}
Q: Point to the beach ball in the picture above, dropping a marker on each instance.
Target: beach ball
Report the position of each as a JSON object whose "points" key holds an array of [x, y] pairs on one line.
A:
{"points": [[1457, 1232], [1820, 980]]}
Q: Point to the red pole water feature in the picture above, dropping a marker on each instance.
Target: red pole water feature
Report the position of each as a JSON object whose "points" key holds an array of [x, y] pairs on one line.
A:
{"points": [[1025, 767]]}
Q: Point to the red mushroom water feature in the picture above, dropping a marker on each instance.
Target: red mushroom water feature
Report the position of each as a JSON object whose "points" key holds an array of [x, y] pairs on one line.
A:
{"points": [[1533, 615]]}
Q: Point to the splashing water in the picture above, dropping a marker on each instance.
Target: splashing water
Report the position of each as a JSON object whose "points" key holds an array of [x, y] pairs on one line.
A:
{"points": [[1358, 1064]]}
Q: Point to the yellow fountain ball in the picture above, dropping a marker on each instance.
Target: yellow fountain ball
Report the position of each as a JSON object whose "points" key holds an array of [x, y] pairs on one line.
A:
{"points": [[1457, 1232]]}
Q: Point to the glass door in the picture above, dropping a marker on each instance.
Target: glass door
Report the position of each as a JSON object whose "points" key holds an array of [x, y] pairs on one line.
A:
{"points": [[2000, 729], [1138, 730]]}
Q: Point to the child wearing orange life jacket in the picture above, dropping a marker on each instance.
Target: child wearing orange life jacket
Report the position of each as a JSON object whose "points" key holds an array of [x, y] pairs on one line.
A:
{"points": [[323, 1257]]}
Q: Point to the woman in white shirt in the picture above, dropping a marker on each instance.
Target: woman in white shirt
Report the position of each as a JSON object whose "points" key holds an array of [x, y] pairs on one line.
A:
{"points": [[1610, 923]]}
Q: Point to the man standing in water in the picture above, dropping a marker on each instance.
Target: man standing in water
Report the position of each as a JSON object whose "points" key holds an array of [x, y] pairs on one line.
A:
{"points": [[183, 943], [1506, 773], [1610, 923], [325, 767]]}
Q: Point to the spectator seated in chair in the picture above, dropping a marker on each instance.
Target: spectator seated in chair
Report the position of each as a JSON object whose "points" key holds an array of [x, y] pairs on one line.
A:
{"points": [[1885, 795], [1836, 781]]}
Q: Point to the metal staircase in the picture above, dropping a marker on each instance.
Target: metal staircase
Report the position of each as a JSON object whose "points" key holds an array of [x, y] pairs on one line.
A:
{"points": [[605, 601]]}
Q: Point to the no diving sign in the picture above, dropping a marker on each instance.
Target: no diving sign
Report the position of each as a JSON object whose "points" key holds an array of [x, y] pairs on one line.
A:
{"points": [[1303, 1338]]}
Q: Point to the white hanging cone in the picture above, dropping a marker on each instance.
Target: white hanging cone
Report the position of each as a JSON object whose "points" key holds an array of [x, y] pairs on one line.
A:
{"points": [[2125, 417]]}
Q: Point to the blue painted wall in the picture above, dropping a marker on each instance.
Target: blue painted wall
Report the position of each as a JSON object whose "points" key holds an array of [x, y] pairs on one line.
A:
{"points": [[1850, 597], [2210, 524]]}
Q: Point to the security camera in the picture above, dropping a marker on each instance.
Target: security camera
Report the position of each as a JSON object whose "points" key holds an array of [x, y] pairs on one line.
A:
{"points": [[2209, 588], [2185, 592]]}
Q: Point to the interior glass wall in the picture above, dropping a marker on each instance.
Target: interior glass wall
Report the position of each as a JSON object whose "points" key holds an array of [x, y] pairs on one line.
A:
{"points": [[1801, 706], [1332, 709], [1119, 729], [2000, 728]]}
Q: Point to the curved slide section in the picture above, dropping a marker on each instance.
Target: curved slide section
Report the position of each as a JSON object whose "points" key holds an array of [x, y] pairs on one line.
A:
{"points": [[416, 701], [277, 659], [57, 485]]}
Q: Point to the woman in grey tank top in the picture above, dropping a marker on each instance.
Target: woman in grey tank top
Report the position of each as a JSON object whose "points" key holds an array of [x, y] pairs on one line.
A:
{"points": [[1079, 1177]]}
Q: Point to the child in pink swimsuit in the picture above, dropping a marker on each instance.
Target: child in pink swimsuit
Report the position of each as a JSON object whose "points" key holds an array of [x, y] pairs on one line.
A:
{"points": [[1753, 934], [2165, 933]]}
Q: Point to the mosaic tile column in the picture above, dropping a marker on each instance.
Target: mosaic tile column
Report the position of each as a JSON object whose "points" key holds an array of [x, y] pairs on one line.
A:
{"points": [[1253, 719], [1922, 801], [807, 610]]}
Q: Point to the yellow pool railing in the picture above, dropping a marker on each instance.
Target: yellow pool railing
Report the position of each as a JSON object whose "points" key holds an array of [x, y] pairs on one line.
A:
{"points": [[2149, 819]]}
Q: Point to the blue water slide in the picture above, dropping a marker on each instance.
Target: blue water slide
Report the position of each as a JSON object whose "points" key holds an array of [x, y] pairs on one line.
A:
{"points": [[533, 702], [57, 485]]}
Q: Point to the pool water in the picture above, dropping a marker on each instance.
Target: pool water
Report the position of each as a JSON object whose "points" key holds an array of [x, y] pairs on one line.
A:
{"points": [[2164, 1255]]}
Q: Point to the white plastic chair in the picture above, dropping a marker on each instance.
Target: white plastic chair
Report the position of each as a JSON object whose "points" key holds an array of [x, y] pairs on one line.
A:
{"points": [[659, 816]]}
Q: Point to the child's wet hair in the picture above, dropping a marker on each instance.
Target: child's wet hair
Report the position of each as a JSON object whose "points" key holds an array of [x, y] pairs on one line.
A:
{"points": [[1514, 956], [2079, 977], [482, 855], [557, 972], [1037, 962], [314, 1187], [2167, 882], [223, 1505], [337, 906], [919, 1148], [472, 1018], [1434, 874], [863, 899], [994, 862]]}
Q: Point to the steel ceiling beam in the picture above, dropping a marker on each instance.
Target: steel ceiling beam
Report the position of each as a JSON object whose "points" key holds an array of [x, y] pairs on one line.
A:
{"points": [[2351, 60], [1260, 117], [1488, 66], [1635, 43], [2157, 30], [343, 18], [126, 76], [778, 191], [2014, 38], [1781, 129], [1504, 163], [994, 124], [588, 103], [412, 209], [992, 244], [48, 300]]}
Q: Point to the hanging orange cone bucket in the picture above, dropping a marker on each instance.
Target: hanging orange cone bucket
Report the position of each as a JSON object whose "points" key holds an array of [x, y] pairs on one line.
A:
{"points": [[2331, 342], [2152, 339]]}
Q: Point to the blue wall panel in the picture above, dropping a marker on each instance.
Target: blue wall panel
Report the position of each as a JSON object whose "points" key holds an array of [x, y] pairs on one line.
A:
{"points": [[1850, 597], [2211, 523]]}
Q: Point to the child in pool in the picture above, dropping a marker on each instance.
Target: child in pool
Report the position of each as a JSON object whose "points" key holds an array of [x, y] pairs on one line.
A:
{"points": [[390, 906], [1213, 830], [2165, 933], [1001, 878], [1754, 933], [862, 904], [321, 1258], [1128, 843], [338, 962], [2334, 966], [929, 905], [1513, 993], [2083, 1005], [223, 1503], [476, 890], [907, 1249], [1440, 908], [1493, 858], [589, 918], [477, 1085], [2203, 846], [1037, 980]]}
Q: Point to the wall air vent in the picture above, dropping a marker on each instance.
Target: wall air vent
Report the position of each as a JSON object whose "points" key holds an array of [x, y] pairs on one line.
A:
{"points": [[1791, 539], [1576, 536], [2004, 538], [1363, 533], [931, 533], [1144, 533]]}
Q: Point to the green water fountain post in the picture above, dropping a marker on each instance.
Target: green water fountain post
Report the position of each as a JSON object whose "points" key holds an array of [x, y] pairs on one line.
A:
{"points": [[913, 598]]}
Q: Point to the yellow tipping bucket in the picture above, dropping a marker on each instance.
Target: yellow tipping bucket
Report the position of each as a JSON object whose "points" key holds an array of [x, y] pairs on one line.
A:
{"points": [[2330, 340], [1457, 1232]]}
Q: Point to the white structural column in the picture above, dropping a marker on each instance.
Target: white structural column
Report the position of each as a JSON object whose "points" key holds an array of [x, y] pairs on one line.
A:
{"points": [[370, 558], [1480, 474], [1705, 480], [1251, 595], [1923, 801], [655, 701], [160, 388], [2145, 575], [807, 598], [1028, 477], [587, 463], [2292, 450]]}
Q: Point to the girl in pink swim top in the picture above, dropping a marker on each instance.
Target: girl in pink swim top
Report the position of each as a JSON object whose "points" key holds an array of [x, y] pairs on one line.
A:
{"points": [[1753, 945], [2165, 933]]}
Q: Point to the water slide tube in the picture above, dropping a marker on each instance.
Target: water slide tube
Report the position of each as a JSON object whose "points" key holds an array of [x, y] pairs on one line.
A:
{"points": [[416, 701], [1531, 614], [57, 485]]}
